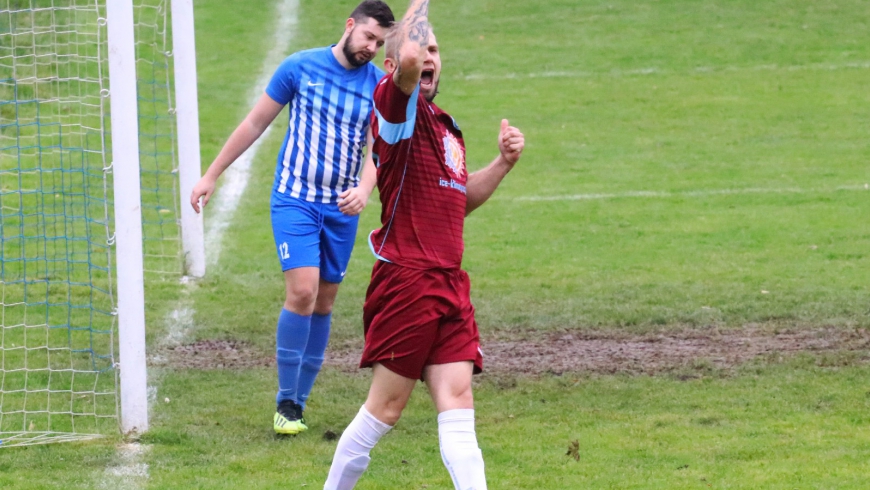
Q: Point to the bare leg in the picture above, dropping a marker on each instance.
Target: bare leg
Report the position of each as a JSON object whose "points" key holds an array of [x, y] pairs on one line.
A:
{"points": [[387, 398], [326, 294], [450, 385], [301, 286], [388, 394]]}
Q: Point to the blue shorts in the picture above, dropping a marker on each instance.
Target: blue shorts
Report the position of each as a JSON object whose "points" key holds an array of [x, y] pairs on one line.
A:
{"points": [[313, 234]]}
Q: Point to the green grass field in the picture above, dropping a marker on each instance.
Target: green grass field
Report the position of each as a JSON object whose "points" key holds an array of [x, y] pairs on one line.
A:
{"points": [[682, 157]]}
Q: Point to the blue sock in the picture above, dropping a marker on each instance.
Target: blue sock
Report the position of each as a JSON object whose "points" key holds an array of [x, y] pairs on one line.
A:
{"points": [[292, 337], [312, 359]]}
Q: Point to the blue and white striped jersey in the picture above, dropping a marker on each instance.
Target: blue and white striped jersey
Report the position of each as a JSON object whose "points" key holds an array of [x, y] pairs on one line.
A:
{"points": [[329, 114]]}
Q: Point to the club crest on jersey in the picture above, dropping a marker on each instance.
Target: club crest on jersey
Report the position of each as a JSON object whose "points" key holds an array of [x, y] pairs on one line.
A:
{"points": [[453, 157]]}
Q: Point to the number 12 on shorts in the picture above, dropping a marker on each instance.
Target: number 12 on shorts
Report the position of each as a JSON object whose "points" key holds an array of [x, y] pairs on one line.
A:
{"points": [[284, 251]]}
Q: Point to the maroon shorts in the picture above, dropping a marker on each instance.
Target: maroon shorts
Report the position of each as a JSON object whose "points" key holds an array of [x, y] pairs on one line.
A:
{"points": [[413, 318]]}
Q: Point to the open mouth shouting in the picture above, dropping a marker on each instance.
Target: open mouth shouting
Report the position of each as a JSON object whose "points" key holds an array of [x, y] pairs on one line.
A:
{"points": [[427, 78]]}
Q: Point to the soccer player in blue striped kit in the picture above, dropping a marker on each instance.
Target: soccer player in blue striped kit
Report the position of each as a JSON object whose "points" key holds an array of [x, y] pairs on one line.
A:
{"points": [[317, 195]]}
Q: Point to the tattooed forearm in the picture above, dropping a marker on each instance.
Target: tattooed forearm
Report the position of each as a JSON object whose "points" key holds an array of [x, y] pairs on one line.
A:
{"points": [[422, 9], [412, 42], [416, 22], [419, 33]]}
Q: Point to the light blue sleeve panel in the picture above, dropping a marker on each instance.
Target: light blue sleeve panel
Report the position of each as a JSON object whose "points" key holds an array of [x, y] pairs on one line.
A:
{"points": [[393, 132], [285, 81]]}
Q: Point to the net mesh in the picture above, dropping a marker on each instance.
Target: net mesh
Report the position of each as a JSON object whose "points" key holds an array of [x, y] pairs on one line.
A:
{"points": [[57, 340], [58, 325], [157, 136]]}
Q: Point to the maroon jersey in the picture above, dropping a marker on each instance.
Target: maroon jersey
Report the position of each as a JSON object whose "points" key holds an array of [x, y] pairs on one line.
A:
{"points": [[420, 155]]}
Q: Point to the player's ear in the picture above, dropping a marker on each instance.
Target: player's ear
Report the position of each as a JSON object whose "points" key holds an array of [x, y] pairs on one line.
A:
{"points": [[348, 26], [389, 65]]}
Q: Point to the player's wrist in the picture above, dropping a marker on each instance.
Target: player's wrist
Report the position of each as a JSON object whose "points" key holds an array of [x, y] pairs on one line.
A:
{"points": [[211, 175], [506, 161]]}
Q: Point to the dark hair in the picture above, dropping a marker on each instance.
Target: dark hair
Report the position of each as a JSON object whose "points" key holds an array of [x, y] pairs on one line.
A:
{"points": [[374, 9]]}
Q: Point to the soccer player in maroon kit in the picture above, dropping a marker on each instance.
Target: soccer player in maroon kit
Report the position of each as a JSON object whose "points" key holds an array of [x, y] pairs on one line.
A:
{"points": [[418, 318]]}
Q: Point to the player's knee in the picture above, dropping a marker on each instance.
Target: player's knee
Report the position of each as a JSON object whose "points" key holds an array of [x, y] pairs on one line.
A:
{"points": [[300, 299], [387, 411], [462, 392], [392, 412], [391, 415], [326, 294], [323, 307], [453, 397]]}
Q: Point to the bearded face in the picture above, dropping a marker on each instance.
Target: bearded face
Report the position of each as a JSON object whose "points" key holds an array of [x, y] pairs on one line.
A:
{"points": [[430, 77], [355, 55], [363, 42]]}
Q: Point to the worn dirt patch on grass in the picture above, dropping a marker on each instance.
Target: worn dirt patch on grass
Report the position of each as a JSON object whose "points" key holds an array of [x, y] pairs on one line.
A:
{"points": [[672, 351], [213, 354], [678, 351]]}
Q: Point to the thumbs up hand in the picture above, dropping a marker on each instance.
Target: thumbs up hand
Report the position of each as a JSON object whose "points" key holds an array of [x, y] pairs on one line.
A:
{"points": [[510, 142]]}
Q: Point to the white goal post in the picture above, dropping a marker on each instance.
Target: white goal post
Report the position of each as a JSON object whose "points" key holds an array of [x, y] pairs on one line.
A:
{"points": [[187, 113], [128, 217], [96, 162]]}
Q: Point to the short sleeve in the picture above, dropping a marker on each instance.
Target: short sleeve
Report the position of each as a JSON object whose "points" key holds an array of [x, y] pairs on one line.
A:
{"points": [[396, 112], [285, 81]]}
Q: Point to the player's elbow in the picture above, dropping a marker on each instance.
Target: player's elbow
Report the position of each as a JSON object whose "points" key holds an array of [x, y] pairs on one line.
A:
{"points": [[255, 124], [470, 206]]}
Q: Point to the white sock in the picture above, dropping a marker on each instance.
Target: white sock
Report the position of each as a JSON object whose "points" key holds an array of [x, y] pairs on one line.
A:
{"points": [[459, 449], [352, 453]]}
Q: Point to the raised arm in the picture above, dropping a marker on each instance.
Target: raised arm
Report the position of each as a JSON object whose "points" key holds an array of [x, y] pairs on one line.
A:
{"points": [[412, 38], [483, 183], [263, 113]]}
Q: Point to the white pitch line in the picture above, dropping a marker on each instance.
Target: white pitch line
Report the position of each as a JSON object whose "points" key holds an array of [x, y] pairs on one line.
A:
{"points": [[130, 473], [179, 326], [696, 193], [222, 208], [858, 65]]}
